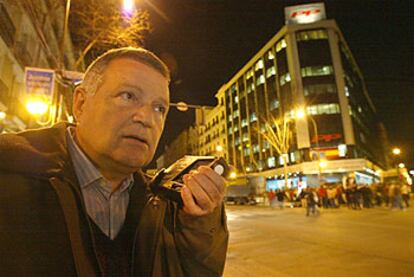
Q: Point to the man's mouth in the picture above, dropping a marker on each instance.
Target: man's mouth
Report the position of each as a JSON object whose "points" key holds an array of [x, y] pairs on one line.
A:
{"points": [[137, 138]]}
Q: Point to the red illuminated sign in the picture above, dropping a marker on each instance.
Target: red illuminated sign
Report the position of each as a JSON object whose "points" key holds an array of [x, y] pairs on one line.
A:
{"points": [[305, 12]]}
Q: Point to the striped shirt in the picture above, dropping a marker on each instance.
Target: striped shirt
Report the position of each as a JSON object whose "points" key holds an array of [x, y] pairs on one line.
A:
{"points": [[106, 208]]}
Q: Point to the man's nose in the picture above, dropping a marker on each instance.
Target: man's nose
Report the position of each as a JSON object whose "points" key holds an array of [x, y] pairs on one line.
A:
{"points": [[144, 114]]}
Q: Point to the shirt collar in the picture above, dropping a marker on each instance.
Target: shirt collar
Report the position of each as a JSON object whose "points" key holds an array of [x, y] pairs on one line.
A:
{"points": [[85, 170]]}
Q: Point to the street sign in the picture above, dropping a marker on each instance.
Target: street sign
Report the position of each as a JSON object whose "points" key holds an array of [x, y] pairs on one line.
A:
{"points": [[39, 82]]}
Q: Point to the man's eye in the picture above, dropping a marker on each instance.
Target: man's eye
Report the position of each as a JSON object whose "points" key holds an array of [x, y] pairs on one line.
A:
{"points": [[161, 109], [127, 95]]}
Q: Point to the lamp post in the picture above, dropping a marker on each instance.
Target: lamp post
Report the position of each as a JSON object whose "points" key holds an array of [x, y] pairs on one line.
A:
{"points": [[301, 113]]}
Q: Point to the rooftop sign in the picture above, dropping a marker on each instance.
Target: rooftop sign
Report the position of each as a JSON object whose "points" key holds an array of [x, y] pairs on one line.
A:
{"points": [[303, 14]]}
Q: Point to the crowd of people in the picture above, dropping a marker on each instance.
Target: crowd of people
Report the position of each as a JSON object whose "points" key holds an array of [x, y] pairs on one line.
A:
{"points": [[353, 196]]}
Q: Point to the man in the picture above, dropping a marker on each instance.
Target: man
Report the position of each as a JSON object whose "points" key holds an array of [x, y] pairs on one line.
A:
{"points": [[73, 199]]}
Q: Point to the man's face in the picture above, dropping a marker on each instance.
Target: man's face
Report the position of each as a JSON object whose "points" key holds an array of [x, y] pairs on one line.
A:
{"points": [[120, 125]]}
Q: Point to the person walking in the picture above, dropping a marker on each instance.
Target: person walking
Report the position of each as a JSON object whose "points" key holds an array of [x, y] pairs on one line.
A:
{"points": [[405, 193]]}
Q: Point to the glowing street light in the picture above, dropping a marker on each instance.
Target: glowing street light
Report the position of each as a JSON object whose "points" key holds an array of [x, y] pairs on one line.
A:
{"points": [[323, 164], [2, 115], [219, 148], [233, 175], [396, 151], [37, 107], [128, 6], [401, 165]]}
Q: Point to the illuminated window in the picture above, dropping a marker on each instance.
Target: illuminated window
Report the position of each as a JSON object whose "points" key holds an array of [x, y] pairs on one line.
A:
{"points": [[256, 148], [274, 104], [319, 89], [244, 122], [260, 80], [250, 88], [236, 99], [246, 152], [346, 91], [253, 117], [271, 162], [324, 109], [245, 137], [270, 72], [292, 156], [237, 141], [259, 65], [285, 78], [236, 128], [270, 55], [280, 45], [311, 35], [230, 130], [316, 71], [236, 114], [230, 118], [249, 74]]}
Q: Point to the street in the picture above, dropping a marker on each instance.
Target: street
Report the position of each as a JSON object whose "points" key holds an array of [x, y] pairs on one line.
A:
{"points": [[338, 242]]}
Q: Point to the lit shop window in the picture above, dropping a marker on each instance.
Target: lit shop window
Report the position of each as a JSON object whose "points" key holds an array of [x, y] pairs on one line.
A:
{"points": [[324, 109], [270, 72], [316, 71], [319, 89], [259, 65], [285, 78], [270, 55], [253, 117], [260, 80], [280, 45], [271, 162], [311, 35], [274, 104], [244, 122], [256, 148]]}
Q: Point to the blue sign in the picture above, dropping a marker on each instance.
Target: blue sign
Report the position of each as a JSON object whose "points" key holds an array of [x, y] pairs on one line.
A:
{"points": [[39, 81]]}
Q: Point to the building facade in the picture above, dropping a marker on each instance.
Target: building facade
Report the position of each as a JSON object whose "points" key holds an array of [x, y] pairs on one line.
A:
{"points": [[307, 65], [30, 36]]}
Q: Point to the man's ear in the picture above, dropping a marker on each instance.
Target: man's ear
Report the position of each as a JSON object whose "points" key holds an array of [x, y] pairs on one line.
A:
{"points": [[79, 99]]}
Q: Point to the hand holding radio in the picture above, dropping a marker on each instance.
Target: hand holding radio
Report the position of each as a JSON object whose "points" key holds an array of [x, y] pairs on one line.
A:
{"points": [[203, 191], [196, 183]]}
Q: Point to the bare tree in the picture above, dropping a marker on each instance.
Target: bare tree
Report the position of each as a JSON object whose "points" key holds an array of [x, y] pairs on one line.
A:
{"points": [[278, 132], [98, 25]]}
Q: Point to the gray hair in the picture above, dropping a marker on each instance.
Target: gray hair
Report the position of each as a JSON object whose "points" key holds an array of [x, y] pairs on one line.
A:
{"points": [[94, 73]]}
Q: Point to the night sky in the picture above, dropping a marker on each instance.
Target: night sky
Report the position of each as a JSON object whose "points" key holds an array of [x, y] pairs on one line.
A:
{"points": [[208, 41]]}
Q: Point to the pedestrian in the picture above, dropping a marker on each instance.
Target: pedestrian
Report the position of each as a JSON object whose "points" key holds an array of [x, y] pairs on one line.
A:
{"points": [[312, 201], [74, 200], [271, 196], [396, 196], [280, 195], [405, 193]]}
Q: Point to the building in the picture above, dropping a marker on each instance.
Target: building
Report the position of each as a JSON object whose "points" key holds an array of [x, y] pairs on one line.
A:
{"points": [[30, 36], [306, 66]]}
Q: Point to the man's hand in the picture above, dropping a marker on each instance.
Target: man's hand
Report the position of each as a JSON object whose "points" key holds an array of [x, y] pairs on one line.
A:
{"points": [[203, 191]]}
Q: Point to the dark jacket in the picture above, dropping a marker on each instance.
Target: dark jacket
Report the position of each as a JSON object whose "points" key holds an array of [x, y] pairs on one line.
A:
{"points": [[45, 230]]}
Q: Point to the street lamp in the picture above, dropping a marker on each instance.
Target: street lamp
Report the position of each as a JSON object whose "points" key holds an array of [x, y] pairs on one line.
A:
{"points": [[396, 151], [401, 165], [301, 113], [2, 115]]}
